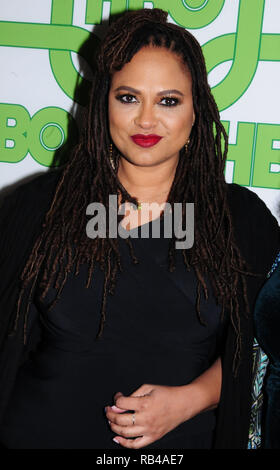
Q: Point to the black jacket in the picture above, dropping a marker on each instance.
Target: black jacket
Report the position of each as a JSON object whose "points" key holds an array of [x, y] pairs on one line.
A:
{"points": [[257, 234]]}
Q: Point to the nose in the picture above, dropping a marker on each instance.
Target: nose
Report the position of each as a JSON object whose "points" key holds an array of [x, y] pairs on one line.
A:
{"points": [[146, 116]]}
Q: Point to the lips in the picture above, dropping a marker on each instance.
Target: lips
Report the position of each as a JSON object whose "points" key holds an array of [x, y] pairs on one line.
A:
{"points": [[146, 140]]}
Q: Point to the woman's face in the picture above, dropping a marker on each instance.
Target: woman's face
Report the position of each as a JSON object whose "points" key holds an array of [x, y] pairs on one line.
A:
{"points": [[150, 107]]}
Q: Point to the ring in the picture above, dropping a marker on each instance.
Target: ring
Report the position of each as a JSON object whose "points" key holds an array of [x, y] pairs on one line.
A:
{"points": [[133, 418]]}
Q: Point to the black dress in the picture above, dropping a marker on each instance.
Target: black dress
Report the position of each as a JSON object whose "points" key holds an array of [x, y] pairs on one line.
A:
{"points": [[152, 335], [22, 214]]}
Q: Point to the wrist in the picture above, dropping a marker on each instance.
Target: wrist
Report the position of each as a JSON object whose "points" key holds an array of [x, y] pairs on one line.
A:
{"points": [[194, 399], [188, 401]]}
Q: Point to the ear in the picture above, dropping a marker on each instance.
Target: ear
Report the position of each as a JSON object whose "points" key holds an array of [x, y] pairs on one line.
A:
{"points": [[193, 119]]}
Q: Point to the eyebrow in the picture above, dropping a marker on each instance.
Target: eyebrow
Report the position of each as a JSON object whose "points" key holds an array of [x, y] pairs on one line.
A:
{"points": [[138, 92]]}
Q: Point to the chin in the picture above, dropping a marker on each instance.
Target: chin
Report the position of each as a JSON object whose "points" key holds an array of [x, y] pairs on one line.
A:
{"points": [[146, 162], [143, 160]]}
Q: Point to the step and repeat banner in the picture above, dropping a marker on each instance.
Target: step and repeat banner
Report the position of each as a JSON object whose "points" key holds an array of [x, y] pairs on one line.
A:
{"points": [[43, 58]]}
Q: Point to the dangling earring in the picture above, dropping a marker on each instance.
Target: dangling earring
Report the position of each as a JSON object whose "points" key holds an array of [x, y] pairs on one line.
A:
{"points": [[187, 144], [111, 156]]}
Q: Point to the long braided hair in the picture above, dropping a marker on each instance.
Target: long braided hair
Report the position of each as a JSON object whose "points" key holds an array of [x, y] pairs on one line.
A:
{"points": [[89, 176]]}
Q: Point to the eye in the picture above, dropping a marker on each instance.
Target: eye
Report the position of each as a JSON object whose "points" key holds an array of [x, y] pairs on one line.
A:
{"points": [[169, 101], [127, 99]]}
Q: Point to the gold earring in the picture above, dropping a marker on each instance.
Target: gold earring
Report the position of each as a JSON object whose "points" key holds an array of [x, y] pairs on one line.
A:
{"points": [[187, 144], [111, 156]]}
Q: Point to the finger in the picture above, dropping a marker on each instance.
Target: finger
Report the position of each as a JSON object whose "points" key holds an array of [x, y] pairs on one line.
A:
{"points": [[117, 395], [130, 431], [113, 409], [131, 403], [116, 409], [137, 443], [142, 391], [124, 419], [127, 431]]}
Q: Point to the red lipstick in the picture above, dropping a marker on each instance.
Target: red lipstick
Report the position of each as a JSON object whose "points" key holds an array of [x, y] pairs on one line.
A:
{"points": [[144, 140]]}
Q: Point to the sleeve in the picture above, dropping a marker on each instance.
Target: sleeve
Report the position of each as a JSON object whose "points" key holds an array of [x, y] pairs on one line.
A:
{"points": [[256, 230], [21, 216], [256, 233], [11, 253]]}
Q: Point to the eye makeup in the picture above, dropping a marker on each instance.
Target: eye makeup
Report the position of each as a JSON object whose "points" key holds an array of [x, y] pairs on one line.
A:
{"points": [[168, 101]]}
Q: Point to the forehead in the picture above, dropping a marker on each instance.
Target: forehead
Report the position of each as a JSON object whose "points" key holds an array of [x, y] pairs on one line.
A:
{"points": [[154, 66]]}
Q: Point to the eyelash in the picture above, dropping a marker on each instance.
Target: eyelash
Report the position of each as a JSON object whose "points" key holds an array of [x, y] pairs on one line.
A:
{"points": [[175, 101]]}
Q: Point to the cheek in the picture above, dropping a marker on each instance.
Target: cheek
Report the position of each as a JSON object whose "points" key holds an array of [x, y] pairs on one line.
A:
{"points": [[117, 118], [118, 128], [113, 123], [181, 117], [113, 113], [188, 122], [182, 126]]}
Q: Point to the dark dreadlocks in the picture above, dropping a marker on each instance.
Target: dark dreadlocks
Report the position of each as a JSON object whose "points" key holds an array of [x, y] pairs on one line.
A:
{"points": [[89, 176]]}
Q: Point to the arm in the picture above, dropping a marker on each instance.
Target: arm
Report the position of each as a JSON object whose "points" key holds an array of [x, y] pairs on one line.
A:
{"points": [[159, 409], [204, 392], [257, 236], [21, 216]]}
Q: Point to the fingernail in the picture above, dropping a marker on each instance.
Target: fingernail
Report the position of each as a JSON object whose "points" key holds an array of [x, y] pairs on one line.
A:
{"points": [[114, 408], [116, 440]]}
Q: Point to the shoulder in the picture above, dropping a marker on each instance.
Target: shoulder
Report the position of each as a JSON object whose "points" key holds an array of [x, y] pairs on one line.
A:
{"points": [[241, 198], [28, 200], [22, 212], [38, 188], [248, 208], [256, 230]]}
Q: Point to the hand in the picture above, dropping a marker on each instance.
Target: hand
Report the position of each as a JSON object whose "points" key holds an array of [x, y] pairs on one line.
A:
{"points": [[156, 410]]}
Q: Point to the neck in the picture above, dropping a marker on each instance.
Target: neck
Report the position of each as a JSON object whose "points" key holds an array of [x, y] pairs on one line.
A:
{"points": [[147, 184]]}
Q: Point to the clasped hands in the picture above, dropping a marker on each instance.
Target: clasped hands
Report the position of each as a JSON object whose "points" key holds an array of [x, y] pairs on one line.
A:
{"points": [[156, 410]]}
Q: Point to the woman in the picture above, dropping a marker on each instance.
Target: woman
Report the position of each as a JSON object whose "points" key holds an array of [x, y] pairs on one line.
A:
{"points": [[161, 315], [266, 317]]}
